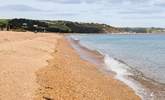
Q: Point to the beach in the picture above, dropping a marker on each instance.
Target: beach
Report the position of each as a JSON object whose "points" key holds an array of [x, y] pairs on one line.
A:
{"points": [[21, 55], [44, 66], [142, 71]]}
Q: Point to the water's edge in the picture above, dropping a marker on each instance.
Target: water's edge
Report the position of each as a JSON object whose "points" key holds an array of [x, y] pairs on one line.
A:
{"points": [[103, 62], [138, 83]]}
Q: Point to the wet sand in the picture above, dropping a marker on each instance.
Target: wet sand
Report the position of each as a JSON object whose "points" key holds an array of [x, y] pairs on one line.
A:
{"points": [[44, 66], [68, 77]]}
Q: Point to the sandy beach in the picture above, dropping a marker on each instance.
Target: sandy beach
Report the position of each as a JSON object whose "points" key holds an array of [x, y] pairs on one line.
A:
{"points": [[44, 66], [21, 55]]}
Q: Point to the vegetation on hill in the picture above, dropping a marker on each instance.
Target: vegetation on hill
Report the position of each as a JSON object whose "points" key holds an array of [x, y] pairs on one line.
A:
{"points": [[143, 30], [68, 27], [56, 26], [3, 23]]}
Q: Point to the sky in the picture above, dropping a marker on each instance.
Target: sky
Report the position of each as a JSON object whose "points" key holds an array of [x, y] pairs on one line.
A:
{"points": [[119, 13]]}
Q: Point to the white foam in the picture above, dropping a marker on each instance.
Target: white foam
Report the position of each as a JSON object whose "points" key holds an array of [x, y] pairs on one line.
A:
{"points": [[122, 73], [74, 38], [116, 66]]}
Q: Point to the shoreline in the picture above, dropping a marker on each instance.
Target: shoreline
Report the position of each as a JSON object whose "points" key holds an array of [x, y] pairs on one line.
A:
{"points": [[144, 87], [98, 58], [69, 76], [45, 66]]}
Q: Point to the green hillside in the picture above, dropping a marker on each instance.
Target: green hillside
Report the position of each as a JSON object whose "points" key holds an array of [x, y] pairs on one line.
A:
{"points": [[56, 26], [3, 23]]}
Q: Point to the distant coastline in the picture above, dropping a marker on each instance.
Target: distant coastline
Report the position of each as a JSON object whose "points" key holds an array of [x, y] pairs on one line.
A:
{"points": [[54, 26], [60, 26]]}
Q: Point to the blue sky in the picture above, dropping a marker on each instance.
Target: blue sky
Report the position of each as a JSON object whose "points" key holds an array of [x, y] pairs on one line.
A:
{"points": [[140, 13]]}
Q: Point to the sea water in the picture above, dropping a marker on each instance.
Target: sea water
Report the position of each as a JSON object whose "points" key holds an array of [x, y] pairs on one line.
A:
{"points": [[138, 60]]}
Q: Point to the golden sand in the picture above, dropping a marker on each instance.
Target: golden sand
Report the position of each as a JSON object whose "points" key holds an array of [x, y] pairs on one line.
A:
{"points": [[67, 77], [21, 55], [44, 66]]}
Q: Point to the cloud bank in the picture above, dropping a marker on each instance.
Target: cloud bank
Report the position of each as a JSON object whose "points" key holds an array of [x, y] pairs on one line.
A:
{"points": [[22, 8], [115, 12]]}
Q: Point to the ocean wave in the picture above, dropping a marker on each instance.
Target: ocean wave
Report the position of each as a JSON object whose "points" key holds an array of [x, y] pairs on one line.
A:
{"points": [[122, 70], [122, 74]]}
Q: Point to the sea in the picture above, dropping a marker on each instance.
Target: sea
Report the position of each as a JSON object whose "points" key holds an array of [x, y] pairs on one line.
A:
{"points": [[138, 60]]}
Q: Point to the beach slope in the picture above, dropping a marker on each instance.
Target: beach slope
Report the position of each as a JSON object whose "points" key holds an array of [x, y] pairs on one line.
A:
{"points": [[21, 55], [68, 77], [44, 66]]}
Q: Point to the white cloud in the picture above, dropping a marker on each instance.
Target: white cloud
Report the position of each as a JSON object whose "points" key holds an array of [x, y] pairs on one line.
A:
{"points": [[18, 7], [70, 1], [112, 12]]}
